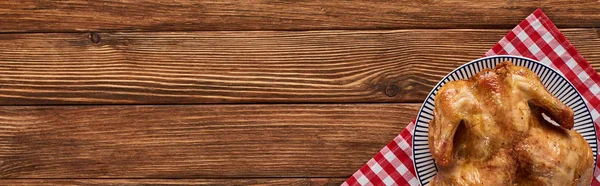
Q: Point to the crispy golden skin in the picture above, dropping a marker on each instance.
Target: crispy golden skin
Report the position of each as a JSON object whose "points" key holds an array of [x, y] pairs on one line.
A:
{"points": [[489, 130]]}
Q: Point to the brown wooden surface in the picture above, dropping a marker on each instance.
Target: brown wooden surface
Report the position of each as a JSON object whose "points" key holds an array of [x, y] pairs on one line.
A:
{"points": [[167, 182], [242, 67], [315, 140], [78, 15], [261, 92]]}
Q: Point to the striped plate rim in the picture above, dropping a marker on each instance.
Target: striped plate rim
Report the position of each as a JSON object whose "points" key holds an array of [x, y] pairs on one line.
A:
{"points": [[553, 80]]}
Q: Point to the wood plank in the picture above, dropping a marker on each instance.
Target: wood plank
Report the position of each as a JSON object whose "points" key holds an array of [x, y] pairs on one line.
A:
{"points": [[167, 182], [208, 141], [184, 15], [242, 67]]}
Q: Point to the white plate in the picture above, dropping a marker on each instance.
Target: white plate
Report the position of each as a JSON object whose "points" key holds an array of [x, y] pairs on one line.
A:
{"points": [[554, 81]]}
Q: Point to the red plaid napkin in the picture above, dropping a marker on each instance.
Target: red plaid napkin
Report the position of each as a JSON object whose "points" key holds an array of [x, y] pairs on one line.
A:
{"points": [[537, 38]]}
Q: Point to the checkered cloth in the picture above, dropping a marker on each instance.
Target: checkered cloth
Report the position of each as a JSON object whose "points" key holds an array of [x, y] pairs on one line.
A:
{"points": [[537, 38]]}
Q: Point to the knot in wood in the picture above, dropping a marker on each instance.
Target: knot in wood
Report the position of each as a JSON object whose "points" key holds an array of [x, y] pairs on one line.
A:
{"points": [[391, 90], [95, 37]]}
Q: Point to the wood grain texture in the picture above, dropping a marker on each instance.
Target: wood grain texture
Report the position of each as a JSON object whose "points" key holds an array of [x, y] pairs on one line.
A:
{"points": [[110, 15], [242, 67], [209, 141], [168, 182]]}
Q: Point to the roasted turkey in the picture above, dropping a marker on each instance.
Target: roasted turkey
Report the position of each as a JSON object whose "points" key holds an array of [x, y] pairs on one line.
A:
{"points": [[491, 130]]}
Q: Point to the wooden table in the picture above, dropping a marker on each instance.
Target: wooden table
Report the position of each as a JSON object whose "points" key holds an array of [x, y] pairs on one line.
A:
{"points": [[232, 92]]}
